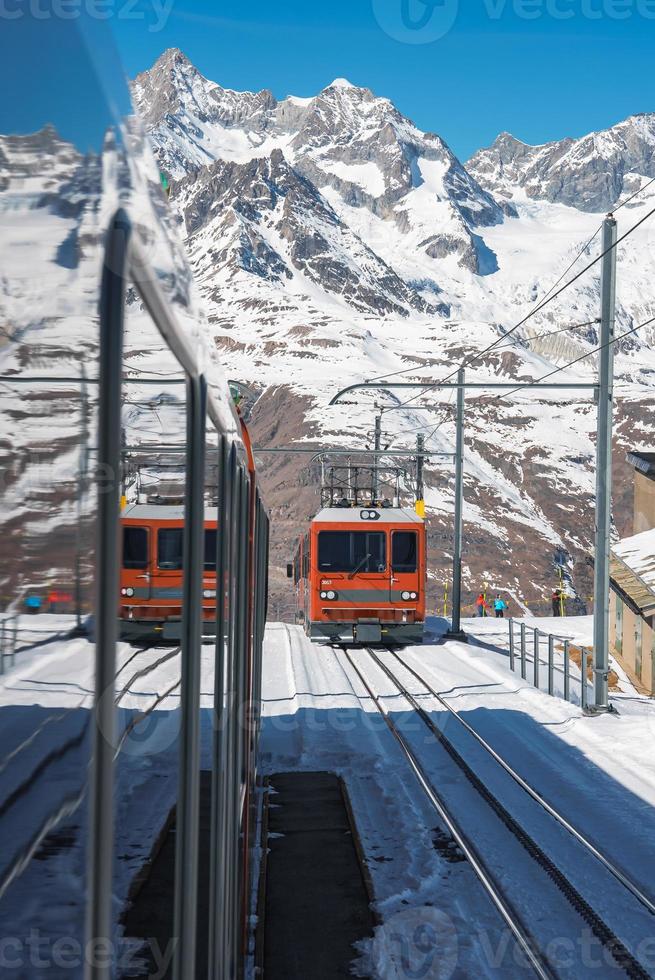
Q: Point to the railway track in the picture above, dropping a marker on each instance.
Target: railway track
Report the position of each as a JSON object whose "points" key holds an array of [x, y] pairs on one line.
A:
{"points": [[72, 801], [618, 953]]}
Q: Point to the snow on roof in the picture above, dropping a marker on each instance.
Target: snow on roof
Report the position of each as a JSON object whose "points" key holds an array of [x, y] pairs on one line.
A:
{"points": [[632, 568]]}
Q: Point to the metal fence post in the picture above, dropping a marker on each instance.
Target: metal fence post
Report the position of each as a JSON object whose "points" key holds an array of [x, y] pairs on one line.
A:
{"points": [[186, 836], [524, 659], [536, 657], [551, 663], [99, 921], [567, 670], [511, 643], [2, 646]]}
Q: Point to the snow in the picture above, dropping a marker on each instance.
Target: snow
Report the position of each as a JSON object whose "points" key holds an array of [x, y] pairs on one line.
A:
{"points": [[315, 717], [638, 553], [367, 175]]}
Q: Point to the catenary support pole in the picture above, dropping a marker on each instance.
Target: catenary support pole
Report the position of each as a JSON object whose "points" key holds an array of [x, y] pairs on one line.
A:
{"points": [[604, 466], [455, 631], [420, 488], [377, 442]]}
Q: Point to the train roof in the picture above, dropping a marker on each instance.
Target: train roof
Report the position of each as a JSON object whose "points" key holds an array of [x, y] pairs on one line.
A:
{"points": [[162, 512], [353, 515]]}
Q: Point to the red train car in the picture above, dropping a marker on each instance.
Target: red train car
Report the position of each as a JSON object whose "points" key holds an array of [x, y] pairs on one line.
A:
{"points": [[360, 576], [151, 578], [151, 573]]}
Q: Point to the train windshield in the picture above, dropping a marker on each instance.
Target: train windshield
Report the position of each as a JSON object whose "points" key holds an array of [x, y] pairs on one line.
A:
{"points": [[135, 547], [349, 551], [403, 551], [169, 548], [170, 544]]}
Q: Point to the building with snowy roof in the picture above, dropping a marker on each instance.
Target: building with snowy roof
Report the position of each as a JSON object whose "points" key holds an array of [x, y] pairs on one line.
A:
{"points": [[632, 576]]}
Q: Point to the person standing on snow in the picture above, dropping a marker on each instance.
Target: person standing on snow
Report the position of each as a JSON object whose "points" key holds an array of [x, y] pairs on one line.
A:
{"points": [[481, 605], [500, 606], [556, 602]]}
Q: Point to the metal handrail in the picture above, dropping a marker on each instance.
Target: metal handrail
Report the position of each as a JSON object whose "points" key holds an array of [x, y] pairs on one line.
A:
{"points": [[586, 655]]}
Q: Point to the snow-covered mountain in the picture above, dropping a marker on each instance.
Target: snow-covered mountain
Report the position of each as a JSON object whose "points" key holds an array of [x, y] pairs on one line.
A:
{"points": [[333, 241], [591, 173]]}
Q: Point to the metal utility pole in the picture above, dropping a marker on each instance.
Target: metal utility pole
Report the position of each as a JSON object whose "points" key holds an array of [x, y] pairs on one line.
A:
{"points": [[420, 491], [604, 466], [455, 632], [378, 440]]}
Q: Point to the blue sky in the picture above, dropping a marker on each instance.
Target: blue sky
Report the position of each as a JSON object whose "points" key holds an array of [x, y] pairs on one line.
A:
{"points": [[524, 66]]}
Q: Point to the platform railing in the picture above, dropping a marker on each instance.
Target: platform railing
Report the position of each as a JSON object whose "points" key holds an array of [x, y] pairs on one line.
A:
{"points": [[525, 642]]}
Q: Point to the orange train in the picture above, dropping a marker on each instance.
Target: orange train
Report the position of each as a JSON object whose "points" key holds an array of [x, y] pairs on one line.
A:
{"points": [[360, 576], [151, 577]]}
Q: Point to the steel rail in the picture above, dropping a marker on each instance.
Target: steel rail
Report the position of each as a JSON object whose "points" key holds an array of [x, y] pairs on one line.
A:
{"points": [[619, 952], [536, 796], [511, 918]]}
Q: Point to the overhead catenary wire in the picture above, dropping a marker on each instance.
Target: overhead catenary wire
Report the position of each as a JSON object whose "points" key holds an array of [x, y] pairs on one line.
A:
{"points": [[582, 357], [475, 356]]}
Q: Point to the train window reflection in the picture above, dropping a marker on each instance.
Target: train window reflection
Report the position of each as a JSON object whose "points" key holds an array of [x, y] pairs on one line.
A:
{"points": [[135, 547], [347, 551], [169, 548], [403, 551], [210, 551]]}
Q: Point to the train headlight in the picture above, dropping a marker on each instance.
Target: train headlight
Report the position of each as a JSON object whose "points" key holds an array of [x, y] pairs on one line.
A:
{"points": [[129, 592], [406, 596], [209, 594], [330, 594], [369, 515]]}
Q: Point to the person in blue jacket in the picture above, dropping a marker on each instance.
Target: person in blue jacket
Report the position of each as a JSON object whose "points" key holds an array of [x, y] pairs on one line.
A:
{"points": [[500, 606]]}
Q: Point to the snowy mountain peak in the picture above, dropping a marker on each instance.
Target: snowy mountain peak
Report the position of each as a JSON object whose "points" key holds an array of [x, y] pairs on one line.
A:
{"points": [[590, 173], [341, 83]]}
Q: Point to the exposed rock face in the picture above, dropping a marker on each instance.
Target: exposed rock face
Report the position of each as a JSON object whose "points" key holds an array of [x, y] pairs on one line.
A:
{"points": [[270, 220], [591, 173], [345, 141]]}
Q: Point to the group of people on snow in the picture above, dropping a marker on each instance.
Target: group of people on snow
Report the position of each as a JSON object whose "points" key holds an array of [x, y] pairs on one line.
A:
{"points": [[498, 605]]}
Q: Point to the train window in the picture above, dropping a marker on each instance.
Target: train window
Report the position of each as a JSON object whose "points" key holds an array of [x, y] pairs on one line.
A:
{"points": [[403, 551], [135, 547], [349, 551], [210, 550], [169, 548]]}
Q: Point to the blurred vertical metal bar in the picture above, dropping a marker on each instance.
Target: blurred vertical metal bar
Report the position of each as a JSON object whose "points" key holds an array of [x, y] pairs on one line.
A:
{"points": [[218, 880], [101, 800], [535, 664], [511, 643], [551, 664], [524, 659], [567, 670], [186, 850]]}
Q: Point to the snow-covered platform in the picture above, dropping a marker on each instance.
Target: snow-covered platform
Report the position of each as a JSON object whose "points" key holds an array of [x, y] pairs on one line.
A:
{"points": [[595, 771]]}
